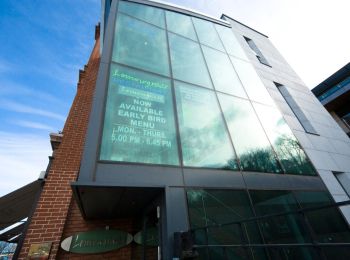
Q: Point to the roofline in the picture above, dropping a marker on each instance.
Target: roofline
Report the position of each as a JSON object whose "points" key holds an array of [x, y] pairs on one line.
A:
{"points": [[181, 9], [225, 15], [332, 80]]}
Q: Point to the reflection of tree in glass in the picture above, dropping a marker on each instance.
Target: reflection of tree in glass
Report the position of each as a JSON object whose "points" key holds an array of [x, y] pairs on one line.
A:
{"points": [[292, 156], [259, 159]]}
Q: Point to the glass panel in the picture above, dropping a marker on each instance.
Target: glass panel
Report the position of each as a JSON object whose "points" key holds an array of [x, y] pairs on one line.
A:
{"points": [[203, 253], [337, 253], [281, 229], [259, 253], [287, 147], [139, 121], [140, 45], [294, 253], [205, 143], [187, 61], [222, 73], [230, 41], [143, 12], [328, 224], [180, 24], [251, 144], [252, 82], [207, 34], [213, 207], [236, 253]]}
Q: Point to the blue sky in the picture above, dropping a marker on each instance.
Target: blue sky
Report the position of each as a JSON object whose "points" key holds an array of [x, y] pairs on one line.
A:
{"points": [[44, 43]]}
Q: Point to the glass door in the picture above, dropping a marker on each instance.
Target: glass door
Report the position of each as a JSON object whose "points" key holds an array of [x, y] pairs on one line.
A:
{"points": [[148, 239]]}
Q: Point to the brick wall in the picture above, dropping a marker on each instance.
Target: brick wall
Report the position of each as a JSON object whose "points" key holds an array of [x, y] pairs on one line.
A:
{"points": [[49, 218], [75, 224]]}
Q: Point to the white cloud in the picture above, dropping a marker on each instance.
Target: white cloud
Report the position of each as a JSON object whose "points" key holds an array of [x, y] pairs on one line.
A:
{"points": [[10, 88], [22, 158], [20, 108], [31, 124]]}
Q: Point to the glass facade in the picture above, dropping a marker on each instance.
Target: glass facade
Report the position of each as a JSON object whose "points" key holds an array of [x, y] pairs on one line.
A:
{"points": [[238, 224], [191, 132], [181, 92]]}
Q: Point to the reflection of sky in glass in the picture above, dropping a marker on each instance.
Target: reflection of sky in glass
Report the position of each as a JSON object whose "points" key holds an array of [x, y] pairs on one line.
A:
{"points": [[249, 139], [180, 24], [273, 122], [230, 41], [222, 73], [187, 61], [207, 34], [252, 82], [243, 124], [286, 145], [203, 137], [143, 12], [140, 45]]}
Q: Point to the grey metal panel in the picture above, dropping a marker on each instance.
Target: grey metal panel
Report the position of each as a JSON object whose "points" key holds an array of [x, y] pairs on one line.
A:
{"points": [[138, 175], [255, 180], [213, 178], [96, 118], [177, 216], [92, 140], [305, 183], [109, 34], [266, 181]]}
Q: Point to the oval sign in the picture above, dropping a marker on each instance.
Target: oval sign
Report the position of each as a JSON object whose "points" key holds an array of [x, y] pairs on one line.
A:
{"points": [[151, 237], [97, 241]]}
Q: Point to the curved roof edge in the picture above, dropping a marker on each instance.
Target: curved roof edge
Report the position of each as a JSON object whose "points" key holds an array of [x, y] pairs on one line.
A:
{"points": [[229, 17]]}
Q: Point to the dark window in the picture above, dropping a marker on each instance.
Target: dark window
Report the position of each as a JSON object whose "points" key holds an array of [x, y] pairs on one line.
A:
{"points": [[298, 112], [327, 224], [224, 224], [208, 208], [344, 181], [284, 229], [257, 52]]}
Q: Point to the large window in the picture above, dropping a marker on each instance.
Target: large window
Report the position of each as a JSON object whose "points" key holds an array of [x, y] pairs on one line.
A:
{"points": [[265, 224], [222, 73], [139, 123], [187, 61], [204, 140], [207, 34], [146, 13], [287, 147], [140, 45], [180, 24], [230, 42], [217, 218], [168, 72], [252, 82], [252, 146]]}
